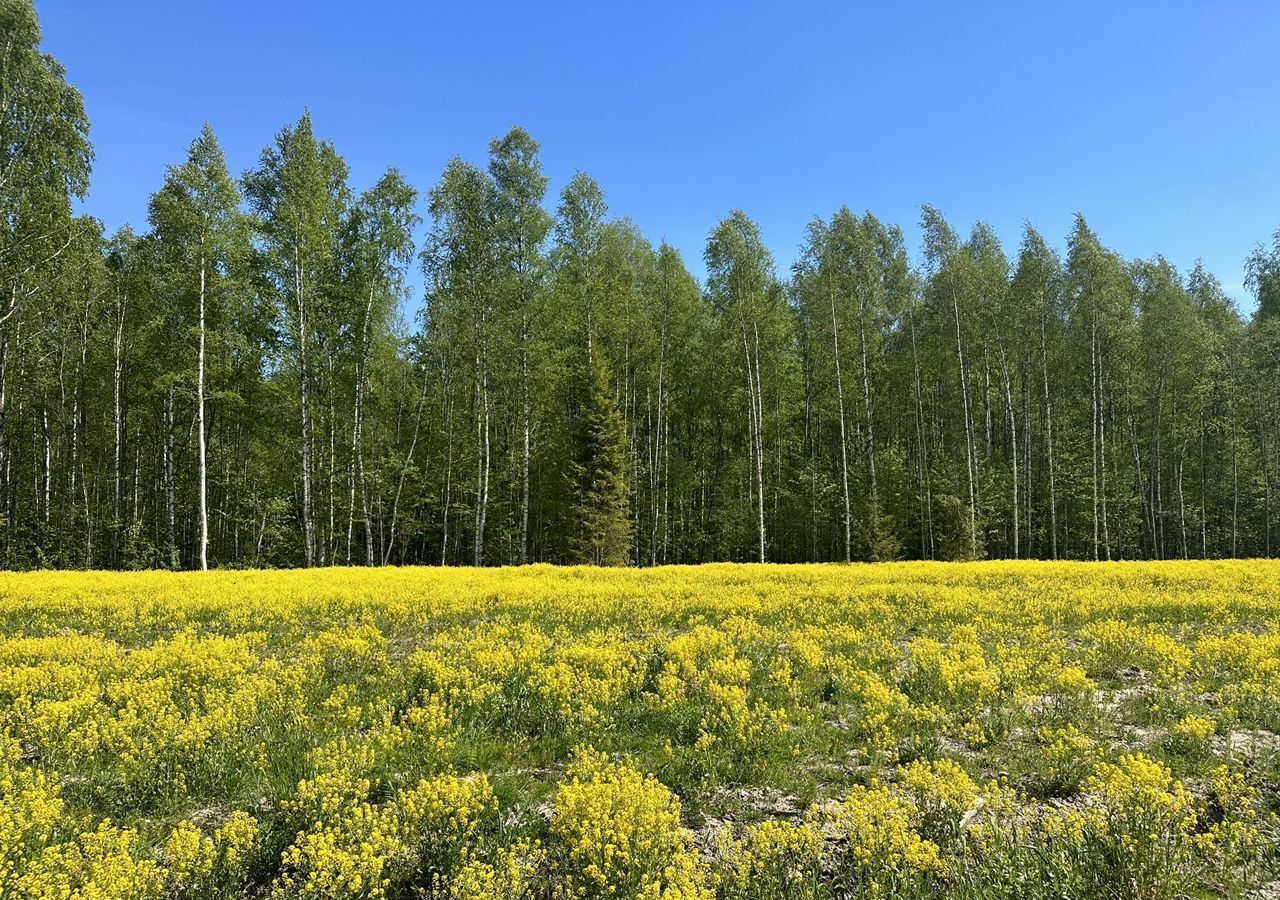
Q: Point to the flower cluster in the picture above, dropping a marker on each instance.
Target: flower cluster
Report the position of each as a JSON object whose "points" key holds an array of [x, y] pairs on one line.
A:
{"points": [[618, 835]]}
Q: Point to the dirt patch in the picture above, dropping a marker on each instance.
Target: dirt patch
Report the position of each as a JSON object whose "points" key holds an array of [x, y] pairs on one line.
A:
{"points": [[1255, 742], [768, 801], [1110, 701]]}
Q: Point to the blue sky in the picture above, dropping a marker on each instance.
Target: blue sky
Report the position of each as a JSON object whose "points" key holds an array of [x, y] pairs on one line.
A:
{"points": [[1156, 120]]}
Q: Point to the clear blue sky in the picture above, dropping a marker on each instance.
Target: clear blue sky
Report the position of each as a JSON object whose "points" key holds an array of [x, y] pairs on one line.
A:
{"points": [[1158, 121]]}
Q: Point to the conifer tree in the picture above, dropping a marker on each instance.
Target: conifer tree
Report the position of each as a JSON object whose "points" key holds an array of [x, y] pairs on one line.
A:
{"points": [[601, 518]]}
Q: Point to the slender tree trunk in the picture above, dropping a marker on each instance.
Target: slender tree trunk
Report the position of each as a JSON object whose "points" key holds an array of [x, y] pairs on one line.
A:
{"points": [[447, 410], [751, 415], [1013, 452], [986, 401], [1102, 438], [844, 448], [357, 443], [1261, 407], [659, 481], [11, 442], [48, 461], [760, 440], [757, 402], [922, 454], [526, 429], [1148, 520], [1157, 467], [304, 378], [118, 460], [137, 484], [7, 489], [970, 449], [1048, 429], [170, 502], [868, 403], [1182, 502], [666, 488], [404, 469], [1235, 471], [351, 469], [67, 509], [482, 454], [79, 427], [329, 548], [1096, 414], [1028, 435], [1204, 508], [200, 424], [364, 493]]}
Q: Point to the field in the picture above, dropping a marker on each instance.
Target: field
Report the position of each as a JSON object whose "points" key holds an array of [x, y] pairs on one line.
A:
{"points": [[1027, 730]]}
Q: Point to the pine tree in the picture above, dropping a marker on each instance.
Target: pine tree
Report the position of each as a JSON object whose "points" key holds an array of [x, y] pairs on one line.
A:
{"points": [[601, 518]]}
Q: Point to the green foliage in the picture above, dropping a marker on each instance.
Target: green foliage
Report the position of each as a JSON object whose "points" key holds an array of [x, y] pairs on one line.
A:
{"points": [[601, 506]]}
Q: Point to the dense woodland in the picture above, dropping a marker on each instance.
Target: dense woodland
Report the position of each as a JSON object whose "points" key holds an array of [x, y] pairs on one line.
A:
{"points": [[248, 382]]}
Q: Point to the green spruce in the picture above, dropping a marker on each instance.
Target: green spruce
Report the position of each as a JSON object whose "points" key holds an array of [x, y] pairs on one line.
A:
{"points": [[600, 516]]}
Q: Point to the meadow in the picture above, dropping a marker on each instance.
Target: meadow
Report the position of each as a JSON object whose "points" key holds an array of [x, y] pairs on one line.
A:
{"points": [[996, 730]]}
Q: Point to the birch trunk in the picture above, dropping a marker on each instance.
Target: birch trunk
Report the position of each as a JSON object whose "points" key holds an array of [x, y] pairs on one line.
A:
{"points": [[873, 514], [308, 521], [169, 479], [1013, 450], [404, 469], [357, 442], [970, 449], [1048, 430], [117, 494], [200, 424], [1096, 417], [844, 448], [924, 476]]}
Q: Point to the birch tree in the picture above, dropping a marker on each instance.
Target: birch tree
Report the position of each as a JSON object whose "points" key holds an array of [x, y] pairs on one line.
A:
{"points": [[197, 224], [1036, 291], [950, 289], [299, 195], [45, 159], [461, 263], [522, 226], [378, 244], [753, 315]]}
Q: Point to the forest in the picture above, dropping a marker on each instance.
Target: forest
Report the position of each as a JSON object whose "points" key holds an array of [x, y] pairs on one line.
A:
{"points": [[249, 381]]}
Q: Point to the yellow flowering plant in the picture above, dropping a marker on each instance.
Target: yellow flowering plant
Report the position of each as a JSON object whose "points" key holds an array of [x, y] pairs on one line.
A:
{"points": [[1005, 729]]}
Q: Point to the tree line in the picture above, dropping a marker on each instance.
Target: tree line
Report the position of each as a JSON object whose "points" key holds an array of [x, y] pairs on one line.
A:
{"points": [[248, 382]]}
